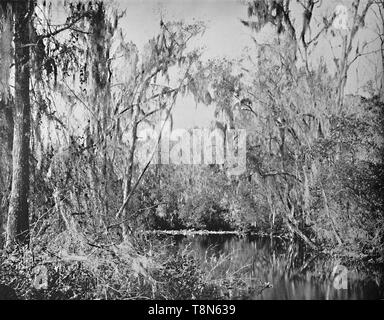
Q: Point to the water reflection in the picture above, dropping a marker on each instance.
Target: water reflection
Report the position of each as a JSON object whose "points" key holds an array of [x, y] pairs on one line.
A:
{"points": [[293, 273]]}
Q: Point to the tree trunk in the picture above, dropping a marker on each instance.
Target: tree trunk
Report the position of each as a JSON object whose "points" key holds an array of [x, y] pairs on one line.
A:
{"points": [[382, 67], [6, 164], [128, 178], [18, 219]]}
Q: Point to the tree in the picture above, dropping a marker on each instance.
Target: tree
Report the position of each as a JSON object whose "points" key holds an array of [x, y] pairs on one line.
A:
{"points": [[18, 218], [152, 91], [380, 33], [281, 14], [27, 45], [6, 109]]}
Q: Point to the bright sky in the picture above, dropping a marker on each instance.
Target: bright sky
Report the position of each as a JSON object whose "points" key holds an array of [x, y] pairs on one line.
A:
{"points": [[224, 37], [227, 37]]}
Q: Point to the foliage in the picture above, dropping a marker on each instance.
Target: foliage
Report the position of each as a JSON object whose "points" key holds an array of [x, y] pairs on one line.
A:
{"points": [[314, 156], [121, 272]]}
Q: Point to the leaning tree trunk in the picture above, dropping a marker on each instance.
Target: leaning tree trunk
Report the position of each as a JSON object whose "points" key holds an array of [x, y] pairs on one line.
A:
{"points": [[18, 219]]}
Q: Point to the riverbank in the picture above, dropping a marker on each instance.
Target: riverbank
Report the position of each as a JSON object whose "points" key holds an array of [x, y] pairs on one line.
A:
{"points": [[192, 232], [342, 252]]}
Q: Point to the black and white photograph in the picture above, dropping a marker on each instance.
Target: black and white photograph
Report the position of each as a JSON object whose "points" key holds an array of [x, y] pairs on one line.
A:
{"points": [[191, 150]]}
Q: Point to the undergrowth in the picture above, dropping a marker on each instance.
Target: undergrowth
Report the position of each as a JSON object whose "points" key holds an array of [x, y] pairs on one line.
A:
{"points": [[138, 269]]}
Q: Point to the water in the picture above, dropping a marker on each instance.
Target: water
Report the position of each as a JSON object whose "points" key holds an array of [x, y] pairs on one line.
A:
{"points": [[293, 273]]}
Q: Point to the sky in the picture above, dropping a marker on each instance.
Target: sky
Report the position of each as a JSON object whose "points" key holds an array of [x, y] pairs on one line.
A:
{"points": [[225, 36]]}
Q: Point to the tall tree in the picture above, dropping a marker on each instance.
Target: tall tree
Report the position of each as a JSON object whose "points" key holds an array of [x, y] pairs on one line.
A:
{"points": [[29, 53], [18, 219], [6, 110]]}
